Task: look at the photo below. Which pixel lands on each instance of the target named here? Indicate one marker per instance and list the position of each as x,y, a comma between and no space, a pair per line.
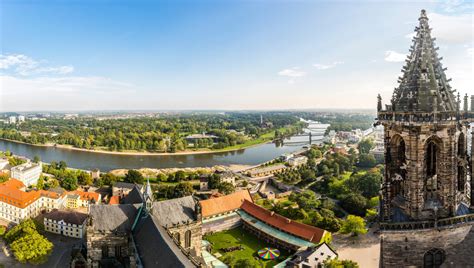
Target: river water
106,162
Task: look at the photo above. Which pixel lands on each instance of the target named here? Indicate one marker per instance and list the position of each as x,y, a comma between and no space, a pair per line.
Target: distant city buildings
28,173
297,161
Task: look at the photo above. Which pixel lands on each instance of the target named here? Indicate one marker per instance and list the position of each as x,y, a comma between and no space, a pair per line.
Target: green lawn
250,244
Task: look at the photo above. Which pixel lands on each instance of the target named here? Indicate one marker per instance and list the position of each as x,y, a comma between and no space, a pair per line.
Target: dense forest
162,133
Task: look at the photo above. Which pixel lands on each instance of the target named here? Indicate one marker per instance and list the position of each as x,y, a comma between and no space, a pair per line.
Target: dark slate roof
423,86
155,247
134,197
175,211
113,217
71,217
127,185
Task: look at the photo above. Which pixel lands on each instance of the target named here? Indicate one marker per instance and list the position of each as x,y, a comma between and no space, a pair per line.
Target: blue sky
94,55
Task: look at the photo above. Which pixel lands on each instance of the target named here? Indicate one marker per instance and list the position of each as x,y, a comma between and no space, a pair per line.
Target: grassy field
250,244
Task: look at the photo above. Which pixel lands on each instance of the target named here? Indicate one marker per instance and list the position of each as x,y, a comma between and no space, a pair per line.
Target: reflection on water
105,162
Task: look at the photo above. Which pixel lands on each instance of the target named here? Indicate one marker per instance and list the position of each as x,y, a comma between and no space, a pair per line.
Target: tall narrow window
461,146
461,181
431,159
187,239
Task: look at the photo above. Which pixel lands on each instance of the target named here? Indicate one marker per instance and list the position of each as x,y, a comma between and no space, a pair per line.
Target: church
427,202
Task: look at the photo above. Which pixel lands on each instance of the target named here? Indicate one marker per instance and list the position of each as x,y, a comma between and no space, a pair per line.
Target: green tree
353,224
336,263
36,159
40,184
134,176
4,177
367,161
226,188
69,183
32,247
365,146
109,179
84,178
354,203
183,189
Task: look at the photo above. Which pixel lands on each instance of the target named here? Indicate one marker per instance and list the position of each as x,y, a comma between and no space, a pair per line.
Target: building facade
28,173
426,202
67,223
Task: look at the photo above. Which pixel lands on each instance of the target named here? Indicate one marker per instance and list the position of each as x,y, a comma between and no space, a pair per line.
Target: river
106,162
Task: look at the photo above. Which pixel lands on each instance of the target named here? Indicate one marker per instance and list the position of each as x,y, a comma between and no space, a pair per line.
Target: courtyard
249,247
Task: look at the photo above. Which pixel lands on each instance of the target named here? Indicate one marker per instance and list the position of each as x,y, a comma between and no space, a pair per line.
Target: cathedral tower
426,185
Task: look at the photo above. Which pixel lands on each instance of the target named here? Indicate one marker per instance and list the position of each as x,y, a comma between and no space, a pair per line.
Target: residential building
122,189
12,120
16,204
77,199
21,118
228,177
266,171
298,161
203,184
28,173
311,257
67,223
220,213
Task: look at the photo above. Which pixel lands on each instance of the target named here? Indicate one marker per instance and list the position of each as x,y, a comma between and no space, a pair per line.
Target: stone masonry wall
407,248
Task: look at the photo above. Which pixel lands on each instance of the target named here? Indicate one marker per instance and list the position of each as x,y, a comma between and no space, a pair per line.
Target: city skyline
218,56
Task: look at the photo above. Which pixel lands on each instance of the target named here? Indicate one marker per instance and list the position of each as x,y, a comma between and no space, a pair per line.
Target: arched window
397,164
177,237
187,239
433,258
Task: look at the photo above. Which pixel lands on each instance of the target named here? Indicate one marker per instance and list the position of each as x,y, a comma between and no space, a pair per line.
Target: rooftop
67,216
175,211
304,231
108,218
224,203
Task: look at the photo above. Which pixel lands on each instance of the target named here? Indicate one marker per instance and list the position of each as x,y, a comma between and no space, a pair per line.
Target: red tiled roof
224,203
304,231
114,200
86,195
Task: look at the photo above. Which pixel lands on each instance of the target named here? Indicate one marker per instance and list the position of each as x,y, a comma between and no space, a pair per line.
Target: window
187,239
433,258
105,251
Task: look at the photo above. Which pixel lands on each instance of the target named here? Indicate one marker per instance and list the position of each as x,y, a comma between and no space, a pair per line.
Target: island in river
160,134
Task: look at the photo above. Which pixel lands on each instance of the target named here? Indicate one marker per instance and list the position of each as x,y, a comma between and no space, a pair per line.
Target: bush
355,204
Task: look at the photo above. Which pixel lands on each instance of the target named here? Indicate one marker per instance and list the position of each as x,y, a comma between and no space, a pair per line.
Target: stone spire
423,83
148,195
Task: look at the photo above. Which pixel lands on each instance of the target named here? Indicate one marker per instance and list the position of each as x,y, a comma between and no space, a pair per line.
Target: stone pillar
472,165
472,103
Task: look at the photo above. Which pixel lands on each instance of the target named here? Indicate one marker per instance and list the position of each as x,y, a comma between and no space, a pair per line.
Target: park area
244,247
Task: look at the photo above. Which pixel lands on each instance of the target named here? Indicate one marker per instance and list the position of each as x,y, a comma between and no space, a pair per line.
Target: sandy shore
70,147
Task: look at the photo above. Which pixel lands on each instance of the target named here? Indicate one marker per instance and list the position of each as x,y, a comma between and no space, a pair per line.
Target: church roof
134,197
155,246
175,211
423,86
113,218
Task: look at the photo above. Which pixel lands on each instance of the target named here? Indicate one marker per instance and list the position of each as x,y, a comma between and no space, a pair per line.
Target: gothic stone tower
426,190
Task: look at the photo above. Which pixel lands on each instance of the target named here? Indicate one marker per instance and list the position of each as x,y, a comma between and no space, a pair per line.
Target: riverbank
134,153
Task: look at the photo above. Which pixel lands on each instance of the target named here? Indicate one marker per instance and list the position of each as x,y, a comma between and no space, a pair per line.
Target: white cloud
320,66
393,56
19,64
456,6
470,51
452,29
292,72
410,35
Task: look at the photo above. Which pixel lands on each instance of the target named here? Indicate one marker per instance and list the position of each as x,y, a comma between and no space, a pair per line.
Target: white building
228,177
12,120
21,118
298,161
17,205
67,223
28,173
312,257
3,164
